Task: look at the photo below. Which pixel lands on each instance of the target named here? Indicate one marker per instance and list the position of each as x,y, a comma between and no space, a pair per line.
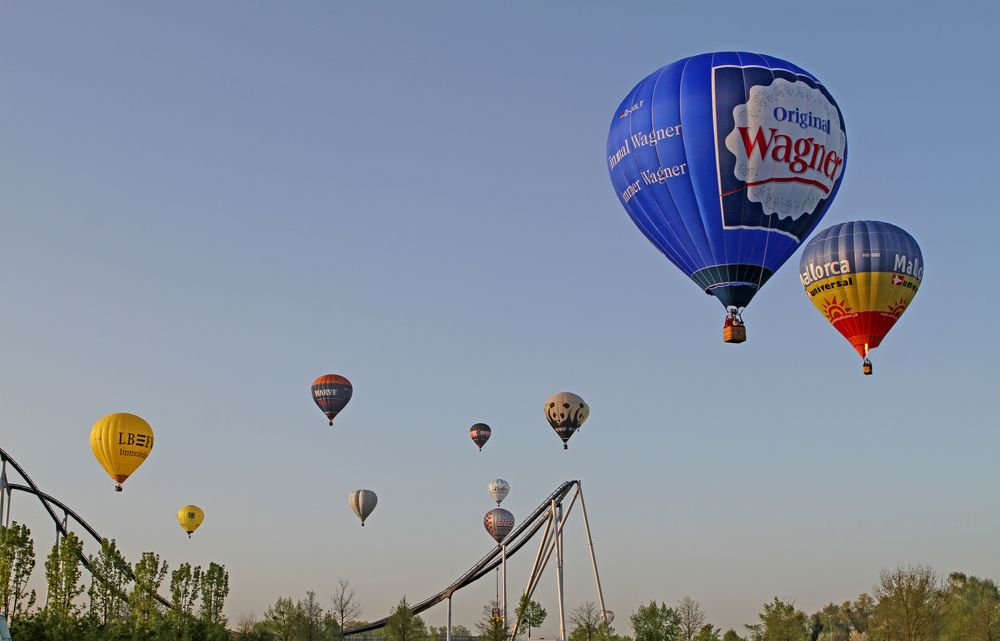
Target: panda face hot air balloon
862,276
498,522
332,393
726,162
566,412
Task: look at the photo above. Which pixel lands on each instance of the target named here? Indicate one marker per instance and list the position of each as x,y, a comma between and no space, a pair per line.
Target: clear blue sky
204,207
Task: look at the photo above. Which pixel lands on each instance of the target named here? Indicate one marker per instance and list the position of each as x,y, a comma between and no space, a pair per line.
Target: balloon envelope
498,522
726,161
862,276
498,489
121,443
566,412
190,517
332,393
362,502
480,433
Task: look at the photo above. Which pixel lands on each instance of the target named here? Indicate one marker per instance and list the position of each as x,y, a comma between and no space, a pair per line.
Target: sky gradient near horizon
205,206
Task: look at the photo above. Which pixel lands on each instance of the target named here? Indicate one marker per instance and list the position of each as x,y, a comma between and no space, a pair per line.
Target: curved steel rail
48,502
518,537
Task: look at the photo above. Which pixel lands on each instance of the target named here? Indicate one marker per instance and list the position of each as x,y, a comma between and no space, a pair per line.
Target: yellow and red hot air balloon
190,517
862,276
121,442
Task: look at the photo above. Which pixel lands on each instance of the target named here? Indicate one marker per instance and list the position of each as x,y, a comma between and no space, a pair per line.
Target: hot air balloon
121,442
480,433
332,393
726,162
498,489
498,522
190,517
566,412
363,503
862,276
608,616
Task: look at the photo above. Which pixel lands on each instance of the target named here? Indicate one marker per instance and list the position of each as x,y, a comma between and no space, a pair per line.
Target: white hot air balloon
363,503
498,489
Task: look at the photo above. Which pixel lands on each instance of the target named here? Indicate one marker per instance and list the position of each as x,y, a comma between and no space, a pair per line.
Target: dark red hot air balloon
480,433
332,393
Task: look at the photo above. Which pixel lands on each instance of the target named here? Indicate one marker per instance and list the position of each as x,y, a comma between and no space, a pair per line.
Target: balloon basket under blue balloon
734,330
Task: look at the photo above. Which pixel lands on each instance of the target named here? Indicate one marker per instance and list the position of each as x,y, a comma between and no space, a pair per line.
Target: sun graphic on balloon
898,309
835,308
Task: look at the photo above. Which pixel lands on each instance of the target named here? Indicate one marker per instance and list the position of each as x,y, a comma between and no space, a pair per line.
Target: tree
17,562
491,626
282,619
108,583
62,575
656,623
586,621
707,632
692,617
971,609
731,635
345,604
312,618
780,621
214,590
909,604
144,610
403,625
530,613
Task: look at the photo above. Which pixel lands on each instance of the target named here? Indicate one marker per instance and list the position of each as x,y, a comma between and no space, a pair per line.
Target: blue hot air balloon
726,162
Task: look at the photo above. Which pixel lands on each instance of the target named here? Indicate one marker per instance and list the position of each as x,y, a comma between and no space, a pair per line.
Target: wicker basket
734,333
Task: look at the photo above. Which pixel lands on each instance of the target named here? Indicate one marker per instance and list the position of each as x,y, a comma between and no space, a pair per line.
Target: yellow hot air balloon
121,442
190,517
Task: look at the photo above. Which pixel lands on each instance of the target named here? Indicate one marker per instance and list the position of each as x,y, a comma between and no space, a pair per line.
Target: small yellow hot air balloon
121,442
190,517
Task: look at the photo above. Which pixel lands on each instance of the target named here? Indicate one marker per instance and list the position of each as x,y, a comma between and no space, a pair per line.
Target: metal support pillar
552,541
4,495
590,545
503,563
559,574
448,636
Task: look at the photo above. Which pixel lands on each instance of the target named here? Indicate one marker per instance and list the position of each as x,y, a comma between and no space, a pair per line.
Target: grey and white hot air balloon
498,522
608,616
498,489
566,412
363,503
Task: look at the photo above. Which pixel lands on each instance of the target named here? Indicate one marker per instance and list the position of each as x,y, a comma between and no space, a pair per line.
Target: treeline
119,603
907,604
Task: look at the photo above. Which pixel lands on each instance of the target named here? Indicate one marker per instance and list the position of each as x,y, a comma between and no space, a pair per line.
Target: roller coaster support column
559,573
4,495
448,636
503,563
593,558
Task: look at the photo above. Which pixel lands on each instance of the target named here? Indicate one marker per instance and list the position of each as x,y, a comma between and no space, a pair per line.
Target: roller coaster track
51,504
549,514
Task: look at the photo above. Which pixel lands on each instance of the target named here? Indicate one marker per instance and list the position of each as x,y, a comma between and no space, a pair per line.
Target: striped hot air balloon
332,393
